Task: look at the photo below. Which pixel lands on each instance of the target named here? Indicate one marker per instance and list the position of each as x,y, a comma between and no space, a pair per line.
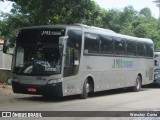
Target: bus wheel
85,92
138,84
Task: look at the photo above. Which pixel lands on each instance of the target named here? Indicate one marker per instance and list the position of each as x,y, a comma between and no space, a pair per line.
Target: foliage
146,12
41,12
10,25
58,11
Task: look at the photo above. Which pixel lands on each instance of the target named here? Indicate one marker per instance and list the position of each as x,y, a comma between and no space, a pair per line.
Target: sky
137,5
108,4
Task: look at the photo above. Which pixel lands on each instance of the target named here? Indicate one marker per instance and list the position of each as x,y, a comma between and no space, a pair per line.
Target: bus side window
141,49
72,57
73,52
92,44
107,45
149,50
119,46
69,57
71,65
131,47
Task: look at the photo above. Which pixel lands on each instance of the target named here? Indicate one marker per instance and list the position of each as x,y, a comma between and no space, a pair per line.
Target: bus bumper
47,90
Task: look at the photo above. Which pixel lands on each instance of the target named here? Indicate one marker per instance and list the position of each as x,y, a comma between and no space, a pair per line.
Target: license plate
32,89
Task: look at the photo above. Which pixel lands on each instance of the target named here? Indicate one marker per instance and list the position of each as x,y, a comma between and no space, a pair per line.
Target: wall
5,60
5,65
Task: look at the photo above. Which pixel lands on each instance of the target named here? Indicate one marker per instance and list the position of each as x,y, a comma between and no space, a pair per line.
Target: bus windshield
37,52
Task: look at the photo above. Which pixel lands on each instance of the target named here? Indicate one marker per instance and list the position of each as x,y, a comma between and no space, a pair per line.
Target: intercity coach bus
62,60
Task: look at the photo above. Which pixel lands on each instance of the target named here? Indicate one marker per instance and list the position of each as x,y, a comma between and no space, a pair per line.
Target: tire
138,84
85,89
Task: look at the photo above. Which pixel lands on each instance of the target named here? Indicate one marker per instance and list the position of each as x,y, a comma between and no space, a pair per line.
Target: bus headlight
52,81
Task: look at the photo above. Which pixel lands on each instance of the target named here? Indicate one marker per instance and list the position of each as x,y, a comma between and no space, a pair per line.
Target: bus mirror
62,43
8,47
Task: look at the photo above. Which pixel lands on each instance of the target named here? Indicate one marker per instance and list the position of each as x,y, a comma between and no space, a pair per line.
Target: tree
127,21
10,25
118,20
58,11
31,12
145,12
126,18
111,20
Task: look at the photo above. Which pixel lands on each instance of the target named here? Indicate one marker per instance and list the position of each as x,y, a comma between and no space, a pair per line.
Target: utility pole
158,5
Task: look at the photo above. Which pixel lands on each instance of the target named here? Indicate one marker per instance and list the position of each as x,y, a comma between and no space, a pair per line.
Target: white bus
156,60
62,60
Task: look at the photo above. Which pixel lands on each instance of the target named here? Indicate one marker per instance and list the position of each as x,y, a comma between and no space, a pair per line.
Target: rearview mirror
62,43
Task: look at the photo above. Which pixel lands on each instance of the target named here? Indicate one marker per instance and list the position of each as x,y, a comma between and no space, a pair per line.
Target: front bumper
48,90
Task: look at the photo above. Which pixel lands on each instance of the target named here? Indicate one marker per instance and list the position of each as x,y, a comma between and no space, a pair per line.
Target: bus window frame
115,38
131,54
137,53
112,53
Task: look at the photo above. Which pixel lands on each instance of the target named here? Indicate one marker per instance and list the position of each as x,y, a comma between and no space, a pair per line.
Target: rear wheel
86,89
138,84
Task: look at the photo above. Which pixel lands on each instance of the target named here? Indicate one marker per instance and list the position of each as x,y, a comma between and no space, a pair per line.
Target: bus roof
50,26
93,29
112,33
135,38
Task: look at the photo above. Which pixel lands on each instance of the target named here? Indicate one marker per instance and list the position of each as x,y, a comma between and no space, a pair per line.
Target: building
5,59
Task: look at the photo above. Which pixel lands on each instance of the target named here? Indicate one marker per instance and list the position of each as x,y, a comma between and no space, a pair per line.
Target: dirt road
113,100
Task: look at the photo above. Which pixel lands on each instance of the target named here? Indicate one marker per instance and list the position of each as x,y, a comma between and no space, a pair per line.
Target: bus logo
120,63
50,33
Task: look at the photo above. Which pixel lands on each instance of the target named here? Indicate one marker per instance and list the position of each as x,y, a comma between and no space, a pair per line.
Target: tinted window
35,36
119,46
37,52
131,47
107,45
75,39
73,51
69,58
149,50
140,49
91,44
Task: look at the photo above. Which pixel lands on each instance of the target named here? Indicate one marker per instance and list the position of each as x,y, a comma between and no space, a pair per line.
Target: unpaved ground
5,90
6,94
115,100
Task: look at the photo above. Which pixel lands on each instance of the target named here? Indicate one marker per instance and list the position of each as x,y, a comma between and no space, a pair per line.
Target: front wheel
85,90
138,84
